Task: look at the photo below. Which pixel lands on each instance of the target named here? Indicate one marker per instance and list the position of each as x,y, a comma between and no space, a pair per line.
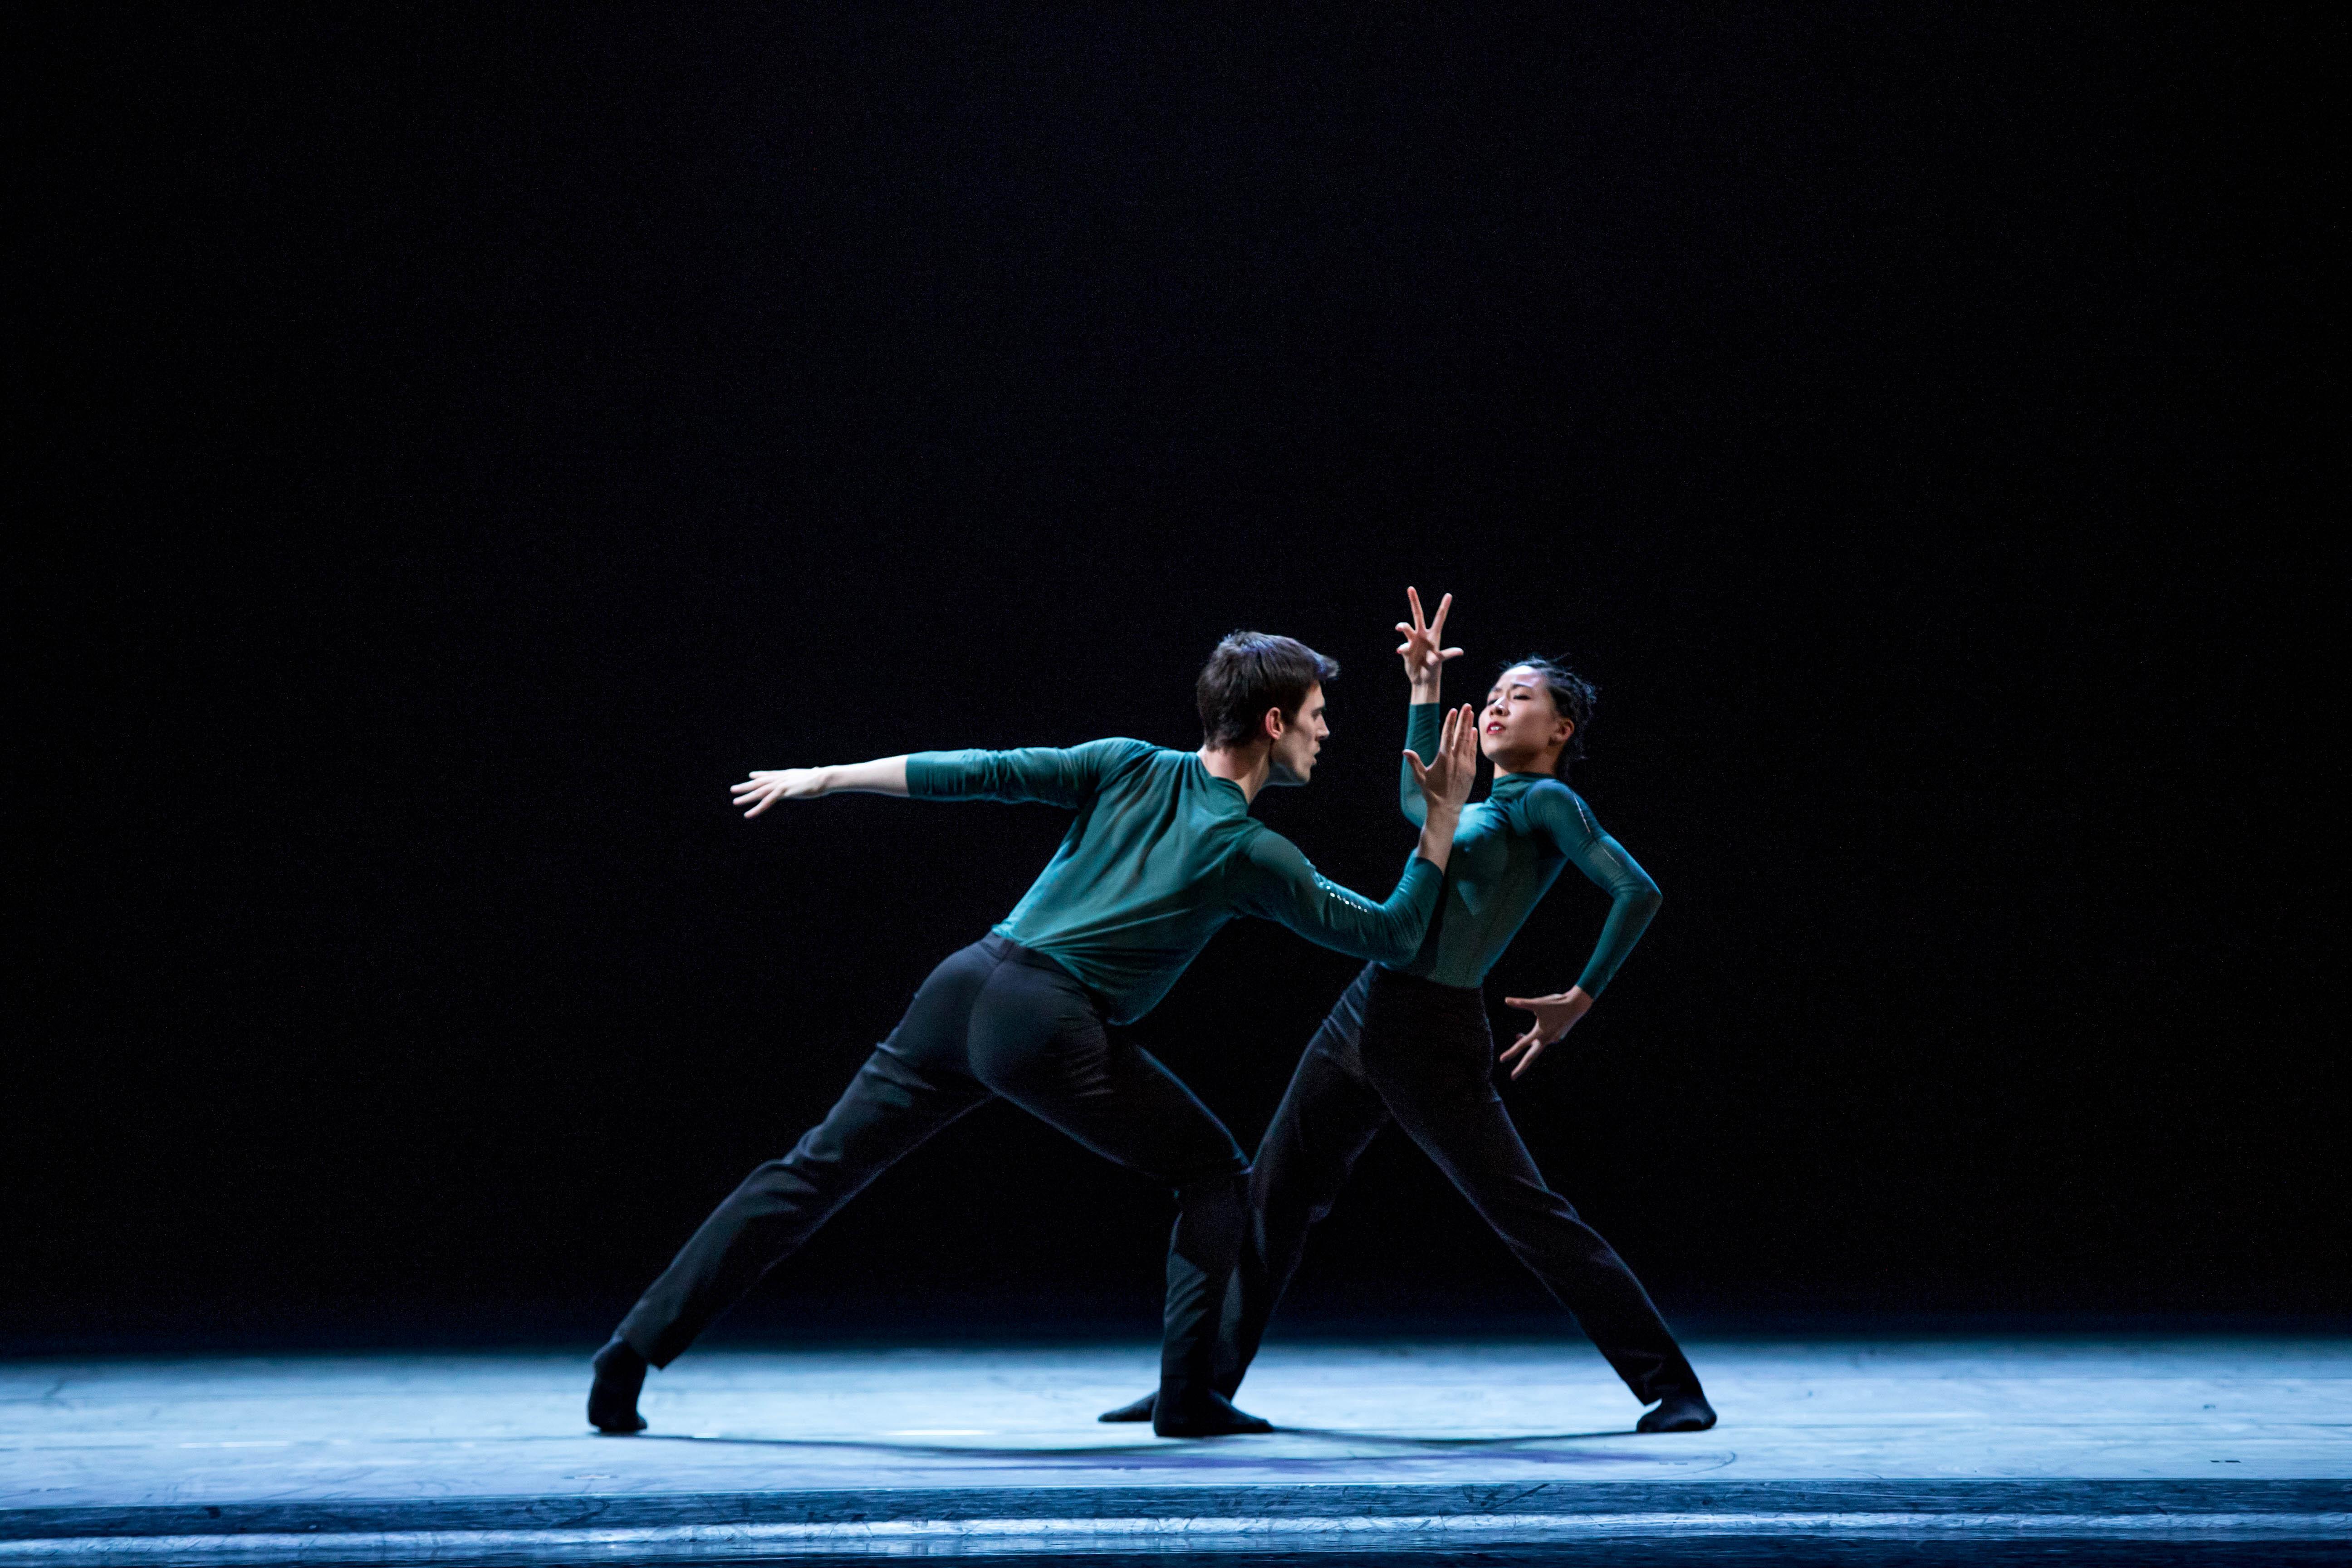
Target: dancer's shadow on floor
1218,1451
1344,1435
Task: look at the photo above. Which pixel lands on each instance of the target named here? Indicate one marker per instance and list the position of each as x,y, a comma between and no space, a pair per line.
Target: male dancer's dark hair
1249,673
1572,698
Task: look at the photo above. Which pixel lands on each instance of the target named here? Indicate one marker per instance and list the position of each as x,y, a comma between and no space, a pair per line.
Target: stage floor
2152,1447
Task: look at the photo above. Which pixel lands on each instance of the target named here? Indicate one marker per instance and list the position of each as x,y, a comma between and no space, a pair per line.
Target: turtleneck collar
1505,786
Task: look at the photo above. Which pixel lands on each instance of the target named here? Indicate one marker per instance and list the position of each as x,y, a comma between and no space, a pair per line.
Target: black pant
1401,1048
993,1019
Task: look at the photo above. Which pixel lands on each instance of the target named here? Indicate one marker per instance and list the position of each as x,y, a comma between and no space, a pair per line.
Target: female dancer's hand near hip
1555,1015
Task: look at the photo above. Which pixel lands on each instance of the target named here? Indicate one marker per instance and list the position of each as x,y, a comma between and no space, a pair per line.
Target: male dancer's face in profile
1294,751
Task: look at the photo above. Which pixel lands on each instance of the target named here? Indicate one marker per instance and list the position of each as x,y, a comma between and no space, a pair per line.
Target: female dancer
1411,1043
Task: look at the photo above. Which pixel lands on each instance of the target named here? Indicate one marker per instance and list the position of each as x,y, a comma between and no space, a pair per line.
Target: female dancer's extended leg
1394,1047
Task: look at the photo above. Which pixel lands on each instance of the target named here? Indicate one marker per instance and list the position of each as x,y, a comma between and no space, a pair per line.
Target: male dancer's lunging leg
1410,1043
1162,853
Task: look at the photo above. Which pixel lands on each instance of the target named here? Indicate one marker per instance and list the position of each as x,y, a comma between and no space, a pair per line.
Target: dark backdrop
458,448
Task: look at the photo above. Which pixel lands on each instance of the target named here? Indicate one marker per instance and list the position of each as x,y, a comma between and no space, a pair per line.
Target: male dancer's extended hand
1445,783
885,776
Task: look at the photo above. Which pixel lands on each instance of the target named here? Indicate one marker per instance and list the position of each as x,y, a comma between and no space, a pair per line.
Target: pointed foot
1682,1412
1139,1410
1203,1415
613,1397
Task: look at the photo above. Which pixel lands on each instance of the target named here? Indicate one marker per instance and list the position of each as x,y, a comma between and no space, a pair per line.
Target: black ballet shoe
1205,1415
1679,1412
1139,1411
613,1397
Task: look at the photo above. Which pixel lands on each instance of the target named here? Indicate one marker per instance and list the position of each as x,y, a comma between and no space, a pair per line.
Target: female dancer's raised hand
1425,658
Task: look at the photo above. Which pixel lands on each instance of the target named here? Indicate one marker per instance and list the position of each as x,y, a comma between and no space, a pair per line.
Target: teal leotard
1506,853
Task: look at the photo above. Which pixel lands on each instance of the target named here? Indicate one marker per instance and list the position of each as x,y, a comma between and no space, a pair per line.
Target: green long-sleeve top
1163,853
1506,853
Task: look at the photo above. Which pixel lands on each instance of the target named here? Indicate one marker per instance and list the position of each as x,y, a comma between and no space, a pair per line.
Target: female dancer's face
1520,731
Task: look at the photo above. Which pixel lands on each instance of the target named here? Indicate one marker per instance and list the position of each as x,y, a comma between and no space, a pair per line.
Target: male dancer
1163,853
1409,1042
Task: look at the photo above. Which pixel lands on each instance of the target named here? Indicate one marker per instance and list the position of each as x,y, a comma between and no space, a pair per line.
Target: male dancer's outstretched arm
887,775
1271,880
1437,789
